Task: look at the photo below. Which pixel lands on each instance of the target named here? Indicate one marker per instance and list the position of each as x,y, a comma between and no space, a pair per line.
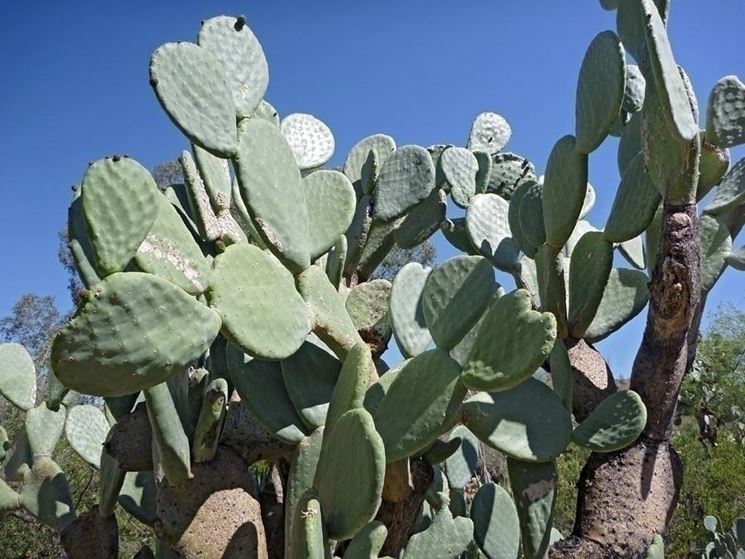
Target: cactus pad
591,263
725,116
169,437
509,171
246,70
368,542
86,429
496,529
299,481
262,312
46,495
527,422
331,202
17,376
367,305
422,221
624,297
715,245
310,140
406,178
512,343
614,424
490,132
120,206
215,173
534,489
460,467
445,538
406,310
381,144
525,217
731,192
193,88
146,328
351,386
488,229
460,168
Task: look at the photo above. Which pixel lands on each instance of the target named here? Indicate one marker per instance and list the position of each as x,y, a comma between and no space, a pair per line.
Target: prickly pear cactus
230,323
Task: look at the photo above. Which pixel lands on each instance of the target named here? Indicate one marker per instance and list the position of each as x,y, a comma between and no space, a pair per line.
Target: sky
74,88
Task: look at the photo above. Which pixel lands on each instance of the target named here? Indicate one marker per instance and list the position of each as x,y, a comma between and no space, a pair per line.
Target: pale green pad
262,312
194,89
490,132
563,190
731,192
460,467
120,206
656,550
351,386
134,331
589,201
512,343
137,496
211,418
716,244
9,499
550,266
86,429
633,251
46,495
527,422
271,187
17,376
381,144
310,140
483,176
445,538
422,221
460,168
111,479
668,80
44,428
310,376
263,393
331,202
363,468
375,393
421,404
633,97
215,173
624,297
406,309
496,528
168,434
300,480
488,227
736,259
170,251
246,70
600,90
630,143
591,263
79,243
614,424
508,172
455,295
335,261
637,198
725,115
368,542
454,231
525,216
406,178
562,376
534,490
367,305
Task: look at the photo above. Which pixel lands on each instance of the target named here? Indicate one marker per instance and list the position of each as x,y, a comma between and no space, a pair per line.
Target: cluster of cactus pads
724,545
239,303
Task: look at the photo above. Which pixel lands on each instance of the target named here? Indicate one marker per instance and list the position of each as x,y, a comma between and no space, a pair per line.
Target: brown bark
131,441
627,496
91,535
248,438
592,378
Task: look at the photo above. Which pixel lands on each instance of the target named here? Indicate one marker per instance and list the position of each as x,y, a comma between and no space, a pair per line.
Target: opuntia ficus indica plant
231,320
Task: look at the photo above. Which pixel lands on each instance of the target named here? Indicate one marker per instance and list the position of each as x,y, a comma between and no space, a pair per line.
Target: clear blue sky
74,89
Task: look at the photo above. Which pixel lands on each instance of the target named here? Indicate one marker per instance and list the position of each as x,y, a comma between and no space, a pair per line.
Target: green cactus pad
713,164
563,191
354,437
331,202
496,528
590,266
210,421
267,112
725,114
509,171
512,343
731,192
736,259
4,444
525,217
534,490
310,140
421,404
351,386
614,424
215,173
455,295
378,390
146,327
630,143
624,297
18,457
46,495
668,81
551,277
600,91
656,549
169,251
382,145
262,312
17,376
636,201
194,89
241,55
488,229
406,309
527,422
609,5
337,258
368,542
483,176
454,230
461,351
120,206
310,375
367,305
79,243
633,97
9,499
86,429
490,132
43,429
715,244
299,481
633,251
358,233
111,478
271,187
460,467
406,178
137,496
169,437
261,388
378,245
311,534
460,168
445,538
562,377
422,221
